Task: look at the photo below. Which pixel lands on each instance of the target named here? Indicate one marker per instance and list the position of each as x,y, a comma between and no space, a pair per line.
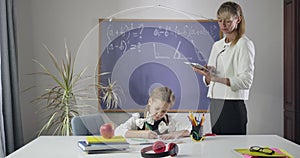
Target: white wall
51,21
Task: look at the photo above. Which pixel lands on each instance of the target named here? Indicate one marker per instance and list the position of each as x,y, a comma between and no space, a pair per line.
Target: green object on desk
248,152
101,139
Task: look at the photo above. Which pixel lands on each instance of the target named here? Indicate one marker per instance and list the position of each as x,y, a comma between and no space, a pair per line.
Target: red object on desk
209,134
159,147
107,130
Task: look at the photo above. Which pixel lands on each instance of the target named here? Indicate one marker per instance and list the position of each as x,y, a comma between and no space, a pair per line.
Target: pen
194,122
202,120
191,119
144,144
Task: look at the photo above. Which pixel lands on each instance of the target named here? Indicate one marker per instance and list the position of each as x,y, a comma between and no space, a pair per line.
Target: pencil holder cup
197,133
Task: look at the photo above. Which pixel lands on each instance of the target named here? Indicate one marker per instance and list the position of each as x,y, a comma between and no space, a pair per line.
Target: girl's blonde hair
232,9
163,94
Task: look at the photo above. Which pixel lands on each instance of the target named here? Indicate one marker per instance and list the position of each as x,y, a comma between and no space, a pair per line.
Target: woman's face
158,109
228,25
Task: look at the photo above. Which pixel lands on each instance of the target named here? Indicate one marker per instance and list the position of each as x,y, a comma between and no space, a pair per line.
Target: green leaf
58,102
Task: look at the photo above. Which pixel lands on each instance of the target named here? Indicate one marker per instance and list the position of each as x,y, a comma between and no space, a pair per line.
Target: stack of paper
96,144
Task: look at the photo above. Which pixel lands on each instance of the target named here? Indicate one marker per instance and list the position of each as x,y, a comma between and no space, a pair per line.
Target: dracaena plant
110,95
59,101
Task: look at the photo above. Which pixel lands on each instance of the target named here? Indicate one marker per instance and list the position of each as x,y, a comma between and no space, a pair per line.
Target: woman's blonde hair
232,9
163,94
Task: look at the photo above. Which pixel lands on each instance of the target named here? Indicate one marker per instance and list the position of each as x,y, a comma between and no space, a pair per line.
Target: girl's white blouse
135,121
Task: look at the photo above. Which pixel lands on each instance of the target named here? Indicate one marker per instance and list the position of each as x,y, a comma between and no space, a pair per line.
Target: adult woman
230,75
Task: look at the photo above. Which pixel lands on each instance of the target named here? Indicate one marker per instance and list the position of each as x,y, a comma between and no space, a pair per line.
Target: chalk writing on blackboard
143,53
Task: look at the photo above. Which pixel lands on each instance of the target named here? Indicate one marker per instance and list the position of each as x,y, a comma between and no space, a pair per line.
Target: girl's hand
168,136
175,135
149,134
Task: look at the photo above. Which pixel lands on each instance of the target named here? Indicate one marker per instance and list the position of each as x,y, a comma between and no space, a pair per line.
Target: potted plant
59,102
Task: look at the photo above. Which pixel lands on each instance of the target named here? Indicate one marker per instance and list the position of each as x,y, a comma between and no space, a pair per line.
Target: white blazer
235,63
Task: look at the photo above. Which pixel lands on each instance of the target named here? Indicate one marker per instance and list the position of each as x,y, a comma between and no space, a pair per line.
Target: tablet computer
196,65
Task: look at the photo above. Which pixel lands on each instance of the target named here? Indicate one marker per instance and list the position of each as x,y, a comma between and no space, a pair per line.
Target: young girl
156,123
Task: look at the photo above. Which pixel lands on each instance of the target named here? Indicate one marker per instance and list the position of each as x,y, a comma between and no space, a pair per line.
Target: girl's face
229,24
158,109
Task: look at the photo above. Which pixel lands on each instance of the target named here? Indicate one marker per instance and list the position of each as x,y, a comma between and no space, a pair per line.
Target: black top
154,127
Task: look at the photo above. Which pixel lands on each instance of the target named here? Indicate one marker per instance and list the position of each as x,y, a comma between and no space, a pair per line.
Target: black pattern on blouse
154,127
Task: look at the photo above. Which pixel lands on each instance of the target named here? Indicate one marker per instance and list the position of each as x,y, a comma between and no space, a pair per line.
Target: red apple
107,130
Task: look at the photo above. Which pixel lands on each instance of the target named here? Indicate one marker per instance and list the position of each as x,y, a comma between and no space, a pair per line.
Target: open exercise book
98,144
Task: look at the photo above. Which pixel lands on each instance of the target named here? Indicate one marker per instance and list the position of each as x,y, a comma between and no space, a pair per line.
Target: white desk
212,147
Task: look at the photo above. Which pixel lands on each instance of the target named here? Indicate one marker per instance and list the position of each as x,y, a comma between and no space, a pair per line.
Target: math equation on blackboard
152,52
